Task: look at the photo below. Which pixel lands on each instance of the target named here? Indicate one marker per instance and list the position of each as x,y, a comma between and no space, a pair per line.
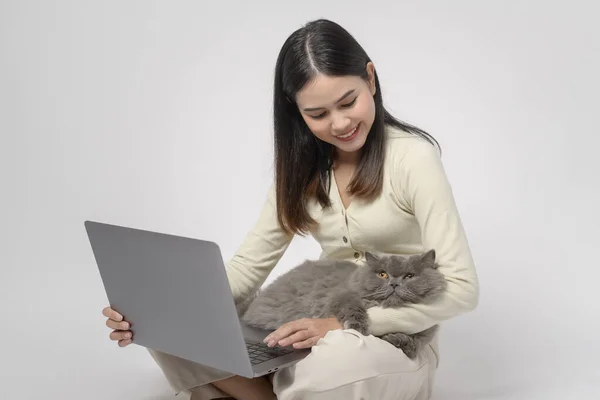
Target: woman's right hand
121,332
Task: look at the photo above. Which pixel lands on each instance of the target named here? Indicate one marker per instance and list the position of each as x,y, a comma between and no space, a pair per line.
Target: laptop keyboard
259,352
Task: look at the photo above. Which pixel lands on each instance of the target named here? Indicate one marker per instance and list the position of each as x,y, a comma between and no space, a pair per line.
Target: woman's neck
345,159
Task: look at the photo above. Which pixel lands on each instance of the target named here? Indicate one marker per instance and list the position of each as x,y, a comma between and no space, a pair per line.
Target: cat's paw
403,342
410,350
357,326
392,339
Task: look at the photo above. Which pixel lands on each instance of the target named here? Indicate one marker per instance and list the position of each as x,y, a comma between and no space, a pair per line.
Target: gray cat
345,290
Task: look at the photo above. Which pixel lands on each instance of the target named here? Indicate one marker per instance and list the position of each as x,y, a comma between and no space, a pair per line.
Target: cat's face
393,280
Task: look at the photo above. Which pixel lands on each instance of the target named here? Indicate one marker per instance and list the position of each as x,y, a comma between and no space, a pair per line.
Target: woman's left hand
302,333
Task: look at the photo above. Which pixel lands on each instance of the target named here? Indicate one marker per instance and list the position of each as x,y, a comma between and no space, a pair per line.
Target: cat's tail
242,305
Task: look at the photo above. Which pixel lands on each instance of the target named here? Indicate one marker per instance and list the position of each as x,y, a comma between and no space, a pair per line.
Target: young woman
356,179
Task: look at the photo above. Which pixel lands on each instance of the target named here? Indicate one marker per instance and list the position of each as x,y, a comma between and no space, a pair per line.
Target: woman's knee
350,354
350,346
346,344
345,358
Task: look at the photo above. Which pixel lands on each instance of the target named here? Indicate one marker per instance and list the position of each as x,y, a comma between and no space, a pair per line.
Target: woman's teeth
347,135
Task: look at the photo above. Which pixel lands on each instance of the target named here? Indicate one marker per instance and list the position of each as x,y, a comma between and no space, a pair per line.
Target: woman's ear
371,78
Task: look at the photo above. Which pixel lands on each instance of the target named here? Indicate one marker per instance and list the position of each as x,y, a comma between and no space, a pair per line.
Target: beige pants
343,365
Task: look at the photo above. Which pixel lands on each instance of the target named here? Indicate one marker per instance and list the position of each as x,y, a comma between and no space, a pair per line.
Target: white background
158,115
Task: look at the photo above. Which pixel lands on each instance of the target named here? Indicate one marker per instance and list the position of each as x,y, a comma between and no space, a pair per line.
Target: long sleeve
423,187
260,251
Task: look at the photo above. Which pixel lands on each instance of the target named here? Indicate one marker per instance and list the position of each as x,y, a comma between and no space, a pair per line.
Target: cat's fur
345,290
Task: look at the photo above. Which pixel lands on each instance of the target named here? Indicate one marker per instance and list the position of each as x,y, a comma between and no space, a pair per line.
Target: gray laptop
175,292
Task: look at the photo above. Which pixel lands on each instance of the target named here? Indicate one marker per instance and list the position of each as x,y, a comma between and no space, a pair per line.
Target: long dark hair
302,161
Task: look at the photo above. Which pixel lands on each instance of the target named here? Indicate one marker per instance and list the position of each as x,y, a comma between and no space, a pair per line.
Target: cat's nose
393,284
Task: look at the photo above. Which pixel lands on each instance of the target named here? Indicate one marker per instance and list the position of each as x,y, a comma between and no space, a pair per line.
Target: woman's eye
383,275
347,105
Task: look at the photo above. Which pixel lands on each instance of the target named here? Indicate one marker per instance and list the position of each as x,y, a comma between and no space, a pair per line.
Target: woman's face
339,110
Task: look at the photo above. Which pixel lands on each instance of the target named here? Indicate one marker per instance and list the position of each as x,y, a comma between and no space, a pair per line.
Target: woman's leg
247,389
345,365
199,382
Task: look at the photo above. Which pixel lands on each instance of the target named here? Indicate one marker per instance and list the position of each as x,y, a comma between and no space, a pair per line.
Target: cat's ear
371,258
428,259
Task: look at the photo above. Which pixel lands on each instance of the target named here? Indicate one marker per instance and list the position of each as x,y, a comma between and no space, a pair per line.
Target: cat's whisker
377,293
381,291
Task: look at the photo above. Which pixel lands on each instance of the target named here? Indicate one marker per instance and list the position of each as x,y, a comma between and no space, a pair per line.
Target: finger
296,337
122,326
120,335
112,314
123,343
286,330
306,344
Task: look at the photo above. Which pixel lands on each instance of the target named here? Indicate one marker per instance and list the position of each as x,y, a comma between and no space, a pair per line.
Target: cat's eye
408,276
383,275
